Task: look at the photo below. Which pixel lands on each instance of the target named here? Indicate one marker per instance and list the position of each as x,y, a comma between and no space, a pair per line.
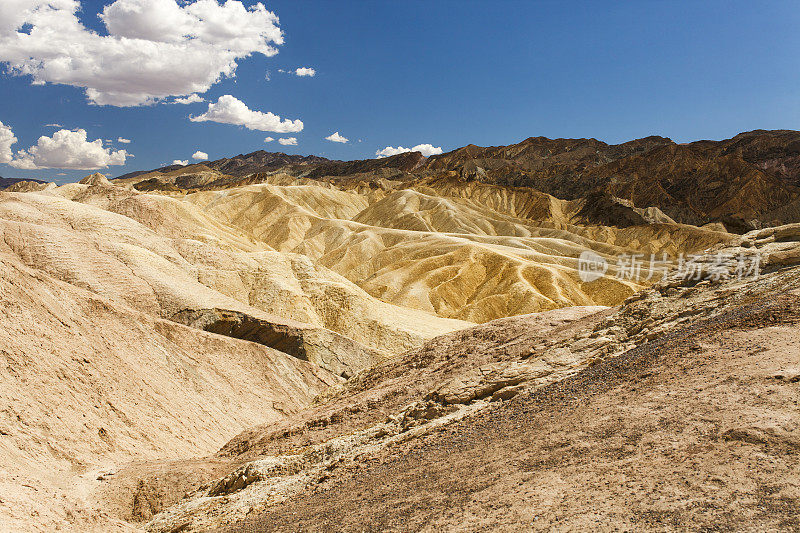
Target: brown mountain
554,166
261,161
749,180
137,173
396,164
8,182
239,165
693,184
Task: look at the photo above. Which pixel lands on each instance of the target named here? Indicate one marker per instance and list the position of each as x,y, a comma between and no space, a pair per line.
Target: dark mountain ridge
747,181
8,182
262,161
753,177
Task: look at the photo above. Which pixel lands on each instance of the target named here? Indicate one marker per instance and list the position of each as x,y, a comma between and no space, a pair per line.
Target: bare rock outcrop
337,353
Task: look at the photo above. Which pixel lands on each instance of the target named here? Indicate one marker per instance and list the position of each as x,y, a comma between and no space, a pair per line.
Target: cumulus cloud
269,139
288,141
191,99
200,156
183,163
123,141
154,49
230,110
390,150
299,71
68,149
425,149
336,138
7,138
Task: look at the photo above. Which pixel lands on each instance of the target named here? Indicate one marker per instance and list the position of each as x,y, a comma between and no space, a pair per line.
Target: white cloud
336,138
7,138
179,162
123,141
390,150
68,149
289,141
299,71
426,149
154,48
200,156
191,99
269,139
59,126
230,110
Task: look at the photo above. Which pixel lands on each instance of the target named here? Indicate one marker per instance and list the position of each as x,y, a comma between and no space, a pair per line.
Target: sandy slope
89,382
154,328
448,256
187,260
676,410
95,376
699,434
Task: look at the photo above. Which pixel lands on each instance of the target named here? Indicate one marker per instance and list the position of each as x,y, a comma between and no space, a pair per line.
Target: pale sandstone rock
784,257
95,180
789,375
122,259
486,380
90,382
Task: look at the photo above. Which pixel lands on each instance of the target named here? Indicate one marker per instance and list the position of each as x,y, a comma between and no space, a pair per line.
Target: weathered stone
488,379
790,375
784,257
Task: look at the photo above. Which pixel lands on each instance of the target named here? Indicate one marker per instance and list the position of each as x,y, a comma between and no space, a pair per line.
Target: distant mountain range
242,164
8,182
748,181
754,175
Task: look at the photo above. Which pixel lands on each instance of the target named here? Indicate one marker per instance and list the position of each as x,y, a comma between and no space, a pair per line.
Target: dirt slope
344,422
89,382
638,417
695,432
442,251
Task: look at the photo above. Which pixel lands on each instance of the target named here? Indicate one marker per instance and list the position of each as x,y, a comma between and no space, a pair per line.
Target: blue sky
454,73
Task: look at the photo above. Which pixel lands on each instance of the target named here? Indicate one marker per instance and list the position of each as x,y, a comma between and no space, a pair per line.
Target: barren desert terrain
264,343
